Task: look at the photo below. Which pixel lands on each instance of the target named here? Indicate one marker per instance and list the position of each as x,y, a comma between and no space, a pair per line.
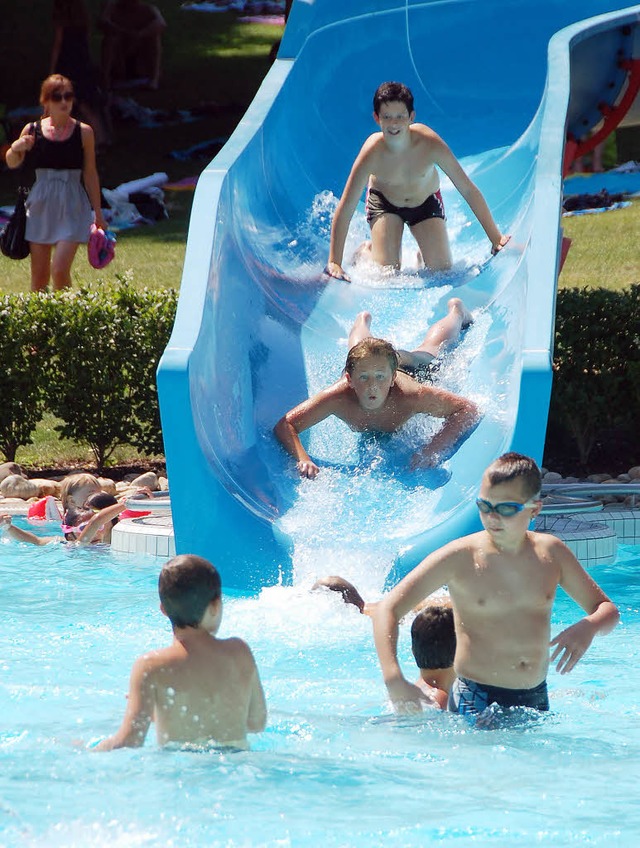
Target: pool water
334,767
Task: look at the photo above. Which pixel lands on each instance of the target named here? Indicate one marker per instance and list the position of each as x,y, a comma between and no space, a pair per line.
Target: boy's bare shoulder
549,545
238,652
460,550
234,644
425,133
467,544
372,146
157,659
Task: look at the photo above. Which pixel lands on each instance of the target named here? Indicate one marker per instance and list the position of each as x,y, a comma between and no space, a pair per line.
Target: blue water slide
259,327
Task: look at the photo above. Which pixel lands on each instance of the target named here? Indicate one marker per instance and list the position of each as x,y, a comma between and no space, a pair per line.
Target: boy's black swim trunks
377,205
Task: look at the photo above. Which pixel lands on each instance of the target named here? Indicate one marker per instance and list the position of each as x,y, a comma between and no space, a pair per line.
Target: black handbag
12,236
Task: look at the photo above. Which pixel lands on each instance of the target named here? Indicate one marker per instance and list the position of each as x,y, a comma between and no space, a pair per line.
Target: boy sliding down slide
502,583
381,390
399,166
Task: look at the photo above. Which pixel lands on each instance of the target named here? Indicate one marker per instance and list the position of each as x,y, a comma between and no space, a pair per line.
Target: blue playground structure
259,327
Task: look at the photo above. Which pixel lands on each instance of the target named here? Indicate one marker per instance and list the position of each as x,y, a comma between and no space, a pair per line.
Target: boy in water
433,644
399,166
201,689
433,638
381,390
502,582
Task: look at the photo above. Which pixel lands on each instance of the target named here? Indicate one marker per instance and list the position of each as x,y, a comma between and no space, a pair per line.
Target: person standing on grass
67,188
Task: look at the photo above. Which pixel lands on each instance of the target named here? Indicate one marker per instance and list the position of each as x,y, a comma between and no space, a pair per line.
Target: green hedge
595,403
89,357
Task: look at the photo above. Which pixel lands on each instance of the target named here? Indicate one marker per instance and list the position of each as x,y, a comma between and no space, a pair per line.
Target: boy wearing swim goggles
502,582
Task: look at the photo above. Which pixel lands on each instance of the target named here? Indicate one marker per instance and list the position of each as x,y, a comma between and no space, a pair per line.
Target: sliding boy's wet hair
433,637
187,585
515,466
392,92
371,347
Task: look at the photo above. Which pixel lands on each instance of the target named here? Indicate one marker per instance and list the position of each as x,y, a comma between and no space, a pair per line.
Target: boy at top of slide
399,166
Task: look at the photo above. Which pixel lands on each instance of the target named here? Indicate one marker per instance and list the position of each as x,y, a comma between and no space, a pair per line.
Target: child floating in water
381,390
399,166
200,690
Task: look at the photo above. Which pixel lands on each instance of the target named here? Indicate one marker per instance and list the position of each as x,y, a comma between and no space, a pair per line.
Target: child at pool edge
502,583
201,689
91,525
433,638
399,166
381,389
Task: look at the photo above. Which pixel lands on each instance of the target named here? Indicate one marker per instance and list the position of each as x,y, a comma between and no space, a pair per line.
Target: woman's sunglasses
507,509
59,96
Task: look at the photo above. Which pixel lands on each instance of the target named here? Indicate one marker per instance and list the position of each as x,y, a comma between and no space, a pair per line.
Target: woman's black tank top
61,155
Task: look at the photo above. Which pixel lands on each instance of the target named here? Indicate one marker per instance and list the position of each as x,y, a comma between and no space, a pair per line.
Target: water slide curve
258,327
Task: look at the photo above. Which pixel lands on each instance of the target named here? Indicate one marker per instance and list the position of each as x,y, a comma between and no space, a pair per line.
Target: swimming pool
333,767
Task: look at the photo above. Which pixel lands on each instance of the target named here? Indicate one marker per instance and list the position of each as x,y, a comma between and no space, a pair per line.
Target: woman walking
67,189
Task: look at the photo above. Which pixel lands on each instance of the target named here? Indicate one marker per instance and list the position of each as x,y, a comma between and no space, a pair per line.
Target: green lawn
604,249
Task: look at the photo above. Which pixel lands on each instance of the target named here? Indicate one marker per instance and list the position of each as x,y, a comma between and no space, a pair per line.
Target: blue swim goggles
507,509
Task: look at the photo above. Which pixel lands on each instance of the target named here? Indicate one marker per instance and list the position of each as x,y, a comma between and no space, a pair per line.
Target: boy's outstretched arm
139,712
602,614
97,521
21,535
461,416
445,159
353,189
425,578
299,419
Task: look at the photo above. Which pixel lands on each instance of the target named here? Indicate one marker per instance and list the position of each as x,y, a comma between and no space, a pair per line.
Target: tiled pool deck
592,537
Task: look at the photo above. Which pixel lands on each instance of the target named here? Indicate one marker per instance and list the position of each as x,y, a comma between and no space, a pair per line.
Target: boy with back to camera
398,164
382,388
200,690
502,583
433,645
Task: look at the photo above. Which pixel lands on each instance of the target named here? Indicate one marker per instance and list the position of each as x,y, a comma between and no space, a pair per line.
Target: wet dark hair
350,594
101,500
433,637
187,585
515,466
392,92
371,347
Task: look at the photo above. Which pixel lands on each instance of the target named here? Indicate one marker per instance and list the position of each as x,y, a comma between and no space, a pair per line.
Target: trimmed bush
107,344
25,344
89,357
596,389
